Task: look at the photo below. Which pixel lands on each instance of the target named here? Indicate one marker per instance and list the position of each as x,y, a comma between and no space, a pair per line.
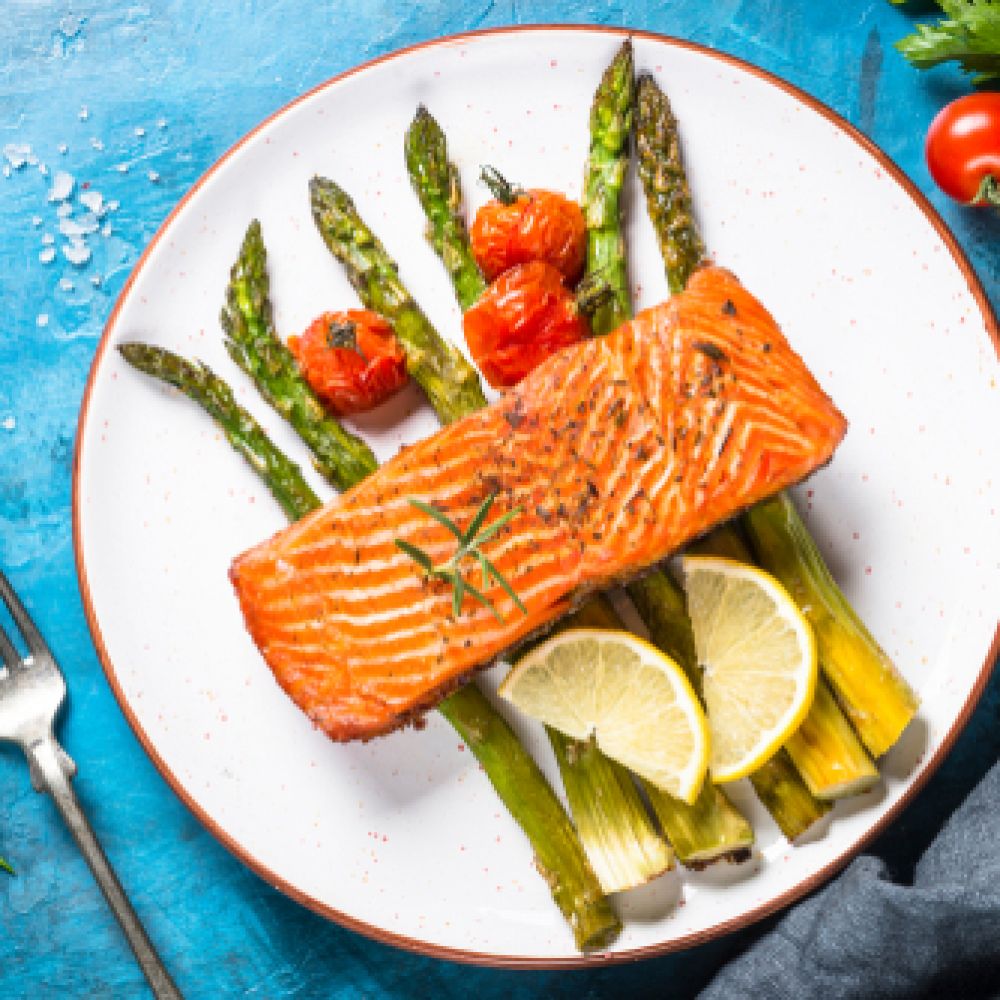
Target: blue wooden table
135,100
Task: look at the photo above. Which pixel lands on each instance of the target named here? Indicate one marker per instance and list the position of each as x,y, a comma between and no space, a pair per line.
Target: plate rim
402,941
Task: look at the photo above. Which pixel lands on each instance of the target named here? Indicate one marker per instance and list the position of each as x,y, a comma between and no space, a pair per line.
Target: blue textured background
144,96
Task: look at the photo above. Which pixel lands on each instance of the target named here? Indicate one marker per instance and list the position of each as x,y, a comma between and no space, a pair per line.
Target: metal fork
32,691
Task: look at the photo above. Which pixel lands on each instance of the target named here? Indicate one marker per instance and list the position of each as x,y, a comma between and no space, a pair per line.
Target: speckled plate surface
403,838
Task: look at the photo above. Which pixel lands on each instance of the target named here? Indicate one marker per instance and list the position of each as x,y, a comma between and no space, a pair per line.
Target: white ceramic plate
403,838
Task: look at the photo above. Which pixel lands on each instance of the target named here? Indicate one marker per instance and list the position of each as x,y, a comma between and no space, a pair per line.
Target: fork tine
33,638
8,652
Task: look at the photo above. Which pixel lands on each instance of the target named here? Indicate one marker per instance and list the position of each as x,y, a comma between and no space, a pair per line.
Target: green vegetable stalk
875,697
604,177
510,769
452,384
252,343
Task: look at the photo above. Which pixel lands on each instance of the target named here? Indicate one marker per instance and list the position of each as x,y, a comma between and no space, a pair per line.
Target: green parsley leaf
968,35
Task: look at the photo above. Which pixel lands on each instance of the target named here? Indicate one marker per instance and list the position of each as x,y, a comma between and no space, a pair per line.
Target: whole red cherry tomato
352,359
526,315
963,149
522,226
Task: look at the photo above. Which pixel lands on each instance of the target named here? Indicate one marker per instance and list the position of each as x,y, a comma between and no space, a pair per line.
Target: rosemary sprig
470,543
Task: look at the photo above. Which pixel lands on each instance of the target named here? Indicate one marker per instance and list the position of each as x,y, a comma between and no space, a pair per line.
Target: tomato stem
988,192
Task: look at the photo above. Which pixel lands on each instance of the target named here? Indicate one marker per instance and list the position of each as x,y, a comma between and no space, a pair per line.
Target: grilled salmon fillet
616,452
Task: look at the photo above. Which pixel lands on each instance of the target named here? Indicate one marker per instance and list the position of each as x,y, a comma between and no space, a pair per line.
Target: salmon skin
617,451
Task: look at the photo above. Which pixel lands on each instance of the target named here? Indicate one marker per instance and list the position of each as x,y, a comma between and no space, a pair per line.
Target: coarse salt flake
84,113
8,423
62,186
76,253
97,143
16,154
93,200
48,239
66,285
64,209
153,176
47,255
42,319
139,132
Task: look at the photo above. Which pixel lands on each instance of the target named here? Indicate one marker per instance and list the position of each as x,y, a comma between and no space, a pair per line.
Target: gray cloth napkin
865,936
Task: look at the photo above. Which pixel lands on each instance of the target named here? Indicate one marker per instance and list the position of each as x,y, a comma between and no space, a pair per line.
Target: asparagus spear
779,787
452,384
509,767
280,473
604,177
436,182
825,750
876,698
340,456
668,195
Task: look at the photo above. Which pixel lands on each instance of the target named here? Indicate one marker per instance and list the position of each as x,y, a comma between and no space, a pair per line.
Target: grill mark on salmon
618,451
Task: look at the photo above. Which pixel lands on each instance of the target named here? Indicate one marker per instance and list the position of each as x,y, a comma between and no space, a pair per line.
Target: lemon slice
758,657
635,701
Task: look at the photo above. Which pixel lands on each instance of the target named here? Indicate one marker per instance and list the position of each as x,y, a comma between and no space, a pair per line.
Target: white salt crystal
76,253
6,170
47,255
62,186
97,144
153,176
70,25
36,220
48,239
63,148
17,154
84,113
66,285
43,170
8,423
96,281
112,206
122,168
93,200
64,209
161,123
140,132
106,229
42,319
80,226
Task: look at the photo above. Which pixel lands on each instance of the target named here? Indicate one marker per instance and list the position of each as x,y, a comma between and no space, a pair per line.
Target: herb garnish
5,866
469,544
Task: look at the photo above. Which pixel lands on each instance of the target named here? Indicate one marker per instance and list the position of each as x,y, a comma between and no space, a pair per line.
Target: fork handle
46,757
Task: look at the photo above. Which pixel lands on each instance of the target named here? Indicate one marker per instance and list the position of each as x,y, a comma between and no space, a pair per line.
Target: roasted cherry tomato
963,149
522,226
523,317
352,359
